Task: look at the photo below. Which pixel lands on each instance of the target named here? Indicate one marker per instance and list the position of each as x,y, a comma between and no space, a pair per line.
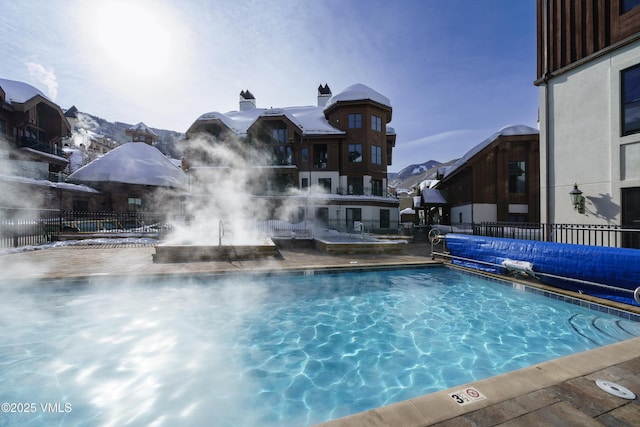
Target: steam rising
46,76
227,196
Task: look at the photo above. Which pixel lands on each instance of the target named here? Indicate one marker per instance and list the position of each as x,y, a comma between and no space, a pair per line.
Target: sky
455,71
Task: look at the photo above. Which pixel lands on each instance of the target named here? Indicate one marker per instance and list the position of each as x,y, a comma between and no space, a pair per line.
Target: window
355,121
284,155
320,156
627,5
355,153
354,186
322,216
279,135
376,154
518,217
325,183
304,156
385,218
135,204
376,187
353,215
630,87
3,127
518,177
631,217
376,123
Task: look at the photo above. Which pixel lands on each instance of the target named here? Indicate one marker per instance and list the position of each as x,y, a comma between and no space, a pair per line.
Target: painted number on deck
465,396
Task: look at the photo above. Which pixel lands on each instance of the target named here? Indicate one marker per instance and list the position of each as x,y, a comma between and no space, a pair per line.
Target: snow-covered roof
19,92
45,183
505,131
309,119
407,211
133,163
428,183
433,197
359,92
141,128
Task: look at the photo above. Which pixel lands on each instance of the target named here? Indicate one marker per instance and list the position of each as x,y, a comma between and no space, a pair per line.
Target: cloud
46,76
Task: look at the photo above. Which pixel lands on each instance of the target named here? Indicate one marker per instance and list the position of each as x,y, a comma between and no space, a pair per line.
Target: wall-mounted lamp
577,199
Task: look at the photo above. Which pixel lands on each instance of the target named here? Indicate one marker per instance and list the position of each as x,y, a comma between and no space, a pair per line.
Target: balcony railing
365,191
45,147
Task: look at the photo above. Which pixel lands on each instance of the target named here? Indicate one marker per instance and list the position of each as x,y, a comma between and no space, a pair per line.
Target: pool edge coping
439,406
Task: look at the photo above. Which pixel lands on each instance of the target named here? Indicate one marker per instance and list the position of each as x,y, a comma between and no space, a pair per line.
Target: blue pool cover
614,267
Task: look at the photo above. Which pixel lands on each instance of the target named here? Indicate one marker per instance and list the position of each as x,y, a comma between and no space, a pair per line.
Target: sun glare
136,39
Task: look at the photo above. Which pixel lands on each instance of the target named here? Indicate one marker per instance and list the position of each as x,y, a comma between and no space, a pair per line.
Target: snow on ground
82,242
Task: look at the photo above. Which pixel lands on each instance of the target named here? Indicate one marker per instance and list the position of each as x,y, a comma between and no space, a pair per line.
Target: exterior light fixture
577,199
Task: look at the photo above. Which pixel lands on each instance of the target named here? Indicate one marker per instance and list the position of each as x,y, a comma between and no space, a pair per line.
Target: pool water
270,351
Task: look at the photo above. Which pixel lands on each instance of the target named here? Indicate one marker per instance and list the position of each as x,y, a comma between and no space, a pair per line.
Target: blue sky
455,71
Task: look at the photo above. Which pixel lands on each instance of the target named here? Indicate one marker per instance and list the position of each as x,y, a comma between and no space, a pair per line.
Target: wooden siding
485,178
576,29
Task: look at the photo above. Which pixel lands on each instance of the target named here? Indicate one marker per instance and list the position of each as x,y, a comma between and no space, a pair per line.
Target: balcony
34,144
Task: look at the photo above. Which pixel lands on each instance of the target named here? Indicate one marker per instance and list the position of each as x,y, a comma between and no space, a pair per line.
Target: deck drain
616,389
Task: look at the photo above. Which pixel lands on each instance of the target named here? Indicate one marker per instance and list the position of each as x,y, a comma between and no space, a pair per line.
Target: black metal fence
582,234
22,227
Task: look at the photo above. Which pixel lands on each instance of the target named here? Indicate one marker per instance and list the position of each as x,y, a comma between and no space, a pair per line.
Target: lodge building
335,154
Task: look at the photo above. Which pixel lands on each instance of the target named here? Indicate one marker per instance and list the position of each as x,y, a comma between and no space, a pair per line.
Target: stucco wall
584,141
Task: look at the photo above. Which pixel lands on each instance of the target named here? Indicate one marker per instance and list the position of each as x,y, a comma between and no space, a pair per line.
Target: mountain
413,175
167,141
412,171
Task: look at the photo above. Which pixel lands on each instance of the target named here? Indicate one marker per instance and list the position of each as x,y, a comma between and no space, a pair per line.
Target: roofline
491,145
337,103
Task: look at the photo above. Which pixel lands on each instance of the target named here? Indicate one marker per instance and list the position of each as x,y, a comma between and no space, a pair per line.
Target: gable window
376,154
279,135
355,121
376,123
630,96
518,177
355,153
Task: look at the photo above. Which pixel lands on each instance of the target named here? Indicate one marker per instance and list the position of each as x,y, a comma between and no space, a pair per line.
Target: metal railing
22,227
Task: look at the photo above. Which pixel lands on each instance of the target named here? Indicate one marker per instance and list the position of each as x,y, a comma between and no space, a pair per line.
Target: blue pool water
270,351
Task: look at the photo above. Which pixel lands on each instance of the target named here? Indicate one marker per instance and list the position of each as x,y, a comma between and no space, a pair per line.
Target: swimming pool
271,350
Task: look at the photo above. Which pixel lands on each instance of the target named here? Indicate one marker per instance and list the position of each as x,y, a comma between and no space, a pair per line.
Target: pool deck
561,392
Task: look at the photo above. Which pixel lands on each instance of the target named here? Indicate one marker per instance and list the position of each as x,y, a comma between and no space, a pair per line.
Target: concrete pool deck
561,392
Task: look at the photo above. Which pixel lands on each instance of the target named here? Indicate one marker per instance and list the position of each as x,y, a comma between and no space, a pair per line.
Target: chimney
324,94
247,100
